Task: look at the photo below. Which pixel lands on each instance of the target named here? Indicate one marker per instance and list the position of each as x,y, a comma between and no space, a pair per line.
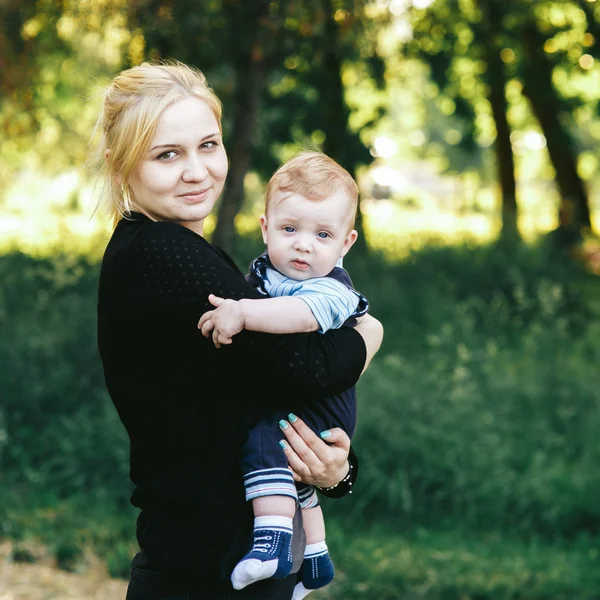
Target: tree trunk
496,78
574,212
336,113
250,75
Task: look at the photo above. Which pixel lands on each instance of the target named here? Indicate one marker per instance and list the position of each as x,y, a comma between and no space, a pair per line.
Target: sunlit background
431,168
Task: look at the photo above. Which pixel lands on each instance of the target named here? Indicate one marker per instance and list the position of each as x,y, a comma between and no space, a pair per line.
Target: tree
250,66
517,25
340,141
235,44
26,34
475,34
248,49
490,32
53,54
548,107
329,39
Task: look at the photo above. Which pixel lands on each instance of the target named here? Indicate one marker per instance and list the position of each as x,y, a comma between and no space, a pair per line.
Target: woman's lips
196,195
300,265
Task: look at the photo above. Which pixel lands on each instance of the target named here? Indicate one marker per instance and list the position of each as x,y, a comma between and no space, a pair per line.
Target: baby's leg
271,553
270,486
317,569
314,525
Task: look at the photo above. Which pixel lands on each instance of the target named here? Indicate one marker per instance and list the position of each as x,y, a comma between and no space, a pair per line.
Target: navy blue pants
264,464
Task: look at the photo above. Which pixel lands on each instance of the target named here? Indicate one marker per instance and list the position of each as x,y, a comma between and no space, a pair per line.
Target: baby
311,204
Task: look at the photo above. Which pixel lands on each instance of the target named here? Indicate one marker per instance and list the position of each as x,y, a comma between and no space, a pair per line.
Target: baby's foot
316,571
271,553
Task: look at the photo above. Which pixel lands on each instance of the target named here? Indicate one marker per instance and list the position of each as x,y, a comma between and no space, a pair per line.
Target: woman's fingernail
283,424
326,434
292,417
283,444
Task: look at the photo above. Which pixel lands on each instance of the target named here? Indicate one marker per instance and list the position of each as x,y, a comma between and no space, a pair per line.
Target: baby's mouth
302,265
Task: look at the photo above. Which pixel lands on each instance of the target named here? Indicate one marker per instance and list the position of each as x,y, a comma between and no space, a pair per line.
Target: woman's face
182,175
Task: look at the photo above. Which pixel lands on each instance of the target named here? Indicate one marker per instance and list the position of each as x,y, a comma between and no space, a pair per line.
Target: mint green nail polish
283,424
283,444
292,417
326,434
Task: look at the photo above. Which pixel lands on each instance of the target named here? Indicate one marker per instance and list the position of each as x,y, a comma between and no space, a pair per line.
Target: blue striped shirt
330,301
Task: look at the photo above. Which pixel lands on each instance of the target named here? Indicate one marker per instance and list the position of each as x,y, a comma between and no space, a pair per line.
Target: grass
70,530
458,565
374,560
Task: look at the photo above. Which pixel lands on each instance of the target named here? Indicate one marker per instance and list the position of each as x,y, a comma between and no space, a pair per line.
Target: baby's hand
224,322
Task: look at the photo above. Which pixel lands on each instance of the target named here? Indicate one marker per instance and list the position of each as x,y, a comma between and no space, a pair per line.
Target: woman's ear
349,242
263,228
117,177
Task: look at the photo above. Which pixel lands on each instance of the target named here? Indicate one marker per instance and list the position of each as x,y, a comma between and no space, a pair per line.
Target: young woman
186,405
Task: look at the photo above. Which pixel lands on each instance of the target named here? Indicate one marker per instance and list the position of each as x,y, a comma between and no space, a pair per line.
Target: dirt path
21,581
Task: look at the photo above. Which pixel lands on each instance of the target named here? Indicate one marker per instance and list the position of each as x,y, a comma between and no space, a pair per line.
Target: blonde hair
132,106
315,176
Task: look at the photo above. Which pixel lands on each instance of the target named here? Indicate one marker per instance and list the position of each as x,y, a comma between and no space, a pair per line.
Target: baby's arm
317,304
284,314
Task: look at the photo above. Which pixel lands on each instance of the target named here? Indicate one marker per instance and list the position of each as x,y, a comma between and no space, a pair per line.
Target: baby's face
305,238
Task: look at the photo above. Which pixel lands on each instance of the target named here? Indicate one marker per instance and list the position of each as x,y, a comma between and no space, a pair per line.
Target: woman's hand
311,459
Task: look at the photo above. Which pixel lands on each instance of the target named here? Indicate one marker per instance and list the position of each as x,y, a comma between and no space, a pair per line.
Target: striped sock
316,571
271,553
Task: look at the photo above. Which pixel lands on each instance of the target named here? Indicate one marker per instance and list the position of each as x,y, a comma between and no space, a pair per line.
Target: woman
186,405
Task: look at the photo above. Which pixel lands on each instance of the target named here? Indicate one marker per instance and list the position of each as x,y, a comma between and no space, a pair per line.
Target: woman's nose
195,169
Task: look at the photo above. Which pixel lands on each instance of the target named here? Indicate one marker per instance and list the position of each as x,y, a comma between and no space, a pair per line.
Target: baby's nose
303,243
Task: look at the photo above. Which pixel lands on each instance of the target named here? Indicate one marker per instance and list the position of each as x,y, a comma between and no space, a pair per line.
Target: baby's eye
289,229
166,155
323,234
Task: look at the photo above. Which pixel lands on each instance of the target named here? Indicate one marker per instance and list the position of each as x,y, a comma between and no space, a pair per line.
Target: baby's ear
263,228
349,241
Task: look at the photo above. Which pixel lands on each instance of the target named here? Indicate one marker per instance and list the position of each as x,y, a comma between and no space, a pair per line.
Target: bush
482,406
58,429
484,402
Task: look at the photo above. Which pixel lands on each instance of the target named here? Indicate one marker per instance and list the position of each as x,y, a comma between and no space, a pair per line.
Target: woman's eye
209,145
289,229
166,155
323,234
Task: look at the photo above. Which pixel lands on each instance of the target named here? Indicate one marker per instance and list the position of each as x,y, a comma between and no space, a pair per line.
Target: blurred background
473,129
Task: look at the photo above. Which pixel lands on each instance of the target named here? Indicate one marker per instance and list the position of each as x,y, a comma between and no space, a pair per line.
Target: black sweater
187,405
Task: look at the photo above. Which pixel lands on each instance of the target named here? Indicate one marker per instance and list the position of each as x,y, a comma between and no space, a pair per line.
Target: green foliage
294,43
53,54
21,553
484,405
478,416
58,429
68,554
71,531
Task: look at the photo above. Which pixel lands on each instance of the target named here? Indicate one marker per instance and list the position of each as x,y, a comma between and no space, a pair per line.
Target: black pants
146,585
